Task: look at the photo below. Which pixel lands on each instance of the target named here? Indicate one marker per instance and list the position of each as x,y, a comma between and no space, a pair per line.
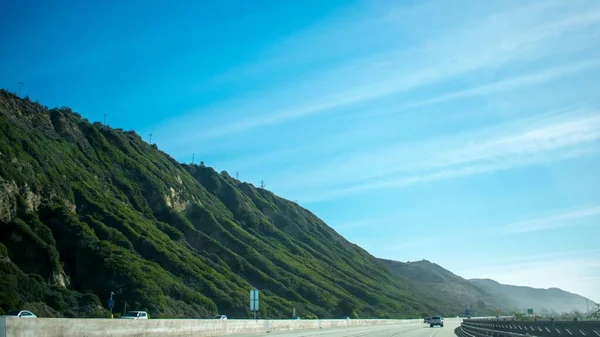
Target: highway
397,330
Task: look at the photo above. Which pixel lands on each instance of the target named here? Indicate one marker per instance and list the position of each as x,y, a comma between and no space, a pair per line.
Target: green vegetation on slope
86,209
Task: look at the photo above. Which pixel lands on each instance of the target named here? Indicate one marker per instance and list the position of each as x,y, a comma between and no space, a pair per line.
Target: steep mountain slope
86,209
451,288
540,300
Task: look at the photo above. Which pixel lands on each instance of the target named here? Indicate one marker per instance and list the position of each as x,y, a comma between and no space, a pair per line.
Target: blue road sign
111,304
466,312
254,300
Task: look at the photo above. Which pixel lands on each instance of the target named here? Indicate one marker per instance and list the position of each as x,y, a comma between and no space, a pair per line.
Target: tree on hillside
517,314
348,306
596,312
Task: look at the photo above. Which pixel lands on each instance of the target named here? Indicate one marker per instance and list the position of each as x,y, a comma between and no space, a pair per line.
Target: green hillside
452,289
86,209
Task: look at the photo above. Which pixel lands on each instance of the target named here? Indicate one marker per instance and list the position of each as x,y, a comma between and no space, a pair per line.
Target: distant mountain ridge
540,300
485,296
451,288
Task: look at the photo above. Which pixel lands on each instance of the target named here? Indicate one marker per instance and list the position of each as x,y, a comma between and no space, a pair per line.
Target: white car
221,317
20,314
135,315
436,320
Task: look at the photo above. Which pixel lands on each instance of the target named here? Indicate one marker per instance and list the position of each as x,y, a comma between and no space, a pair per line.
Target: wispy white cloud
516,36
365,88
529,142
500,86
561,219
403,244
338,141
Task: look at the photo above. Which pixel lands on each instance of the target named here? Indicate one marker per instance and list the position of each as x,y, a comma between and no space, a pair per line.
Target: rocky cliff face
9,191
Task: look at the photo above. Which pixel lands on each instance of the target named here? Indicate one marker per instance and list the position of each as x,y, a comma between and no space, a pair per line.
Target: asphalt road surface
397,330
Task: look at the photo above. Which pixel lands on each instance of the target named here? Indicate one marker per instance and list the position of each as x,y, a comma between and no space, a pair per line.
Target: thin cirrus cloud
465,50
538,140
500,86
568,218
338,141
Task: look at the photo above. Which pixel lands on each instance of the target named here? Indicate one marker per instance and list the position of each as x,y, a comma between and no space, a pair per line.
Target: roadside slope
86,209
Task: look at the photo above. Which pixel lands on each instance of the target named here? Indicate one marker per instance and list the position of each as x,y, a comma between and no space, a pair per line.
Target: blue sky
466,133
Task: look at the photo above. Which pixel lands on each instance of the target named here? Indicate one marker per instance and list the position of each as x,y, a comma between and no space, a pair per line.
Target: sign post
111,304
529,311
254,301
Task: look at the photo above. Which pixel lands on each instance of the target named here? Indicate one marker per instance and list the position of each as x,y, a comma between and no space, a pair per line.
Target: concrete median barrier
65,327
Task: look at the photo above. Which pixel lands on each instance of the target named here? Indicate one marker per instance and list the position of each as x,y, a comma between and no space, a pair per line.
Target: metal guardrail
469,331
466,331
511,328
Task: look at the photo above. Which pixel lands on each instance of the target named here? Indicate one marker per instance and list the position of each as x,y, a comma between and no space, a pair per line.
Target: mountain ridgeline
451,288
485,296
86,210
543,301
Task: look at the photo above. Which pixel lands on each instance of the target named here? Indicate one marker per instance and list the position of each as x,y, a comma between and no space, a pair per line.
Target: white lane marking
433,333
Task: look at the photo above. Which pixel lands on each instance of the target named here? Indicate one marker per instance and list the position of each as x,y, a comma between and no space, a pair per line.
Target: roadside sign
254,300
497,311
529,311
467,312
111,303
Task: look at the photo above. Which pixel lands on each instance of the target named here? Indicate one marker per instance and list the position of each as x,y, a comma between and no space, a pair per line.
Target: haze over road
395,330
